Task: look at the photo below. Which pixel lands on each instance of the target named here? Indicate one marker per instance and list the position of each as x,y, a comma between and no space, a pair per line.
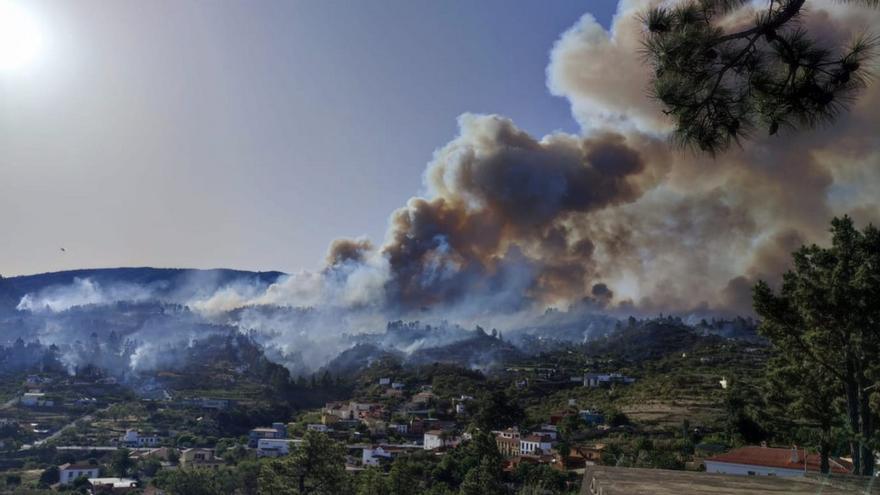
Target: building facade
70,472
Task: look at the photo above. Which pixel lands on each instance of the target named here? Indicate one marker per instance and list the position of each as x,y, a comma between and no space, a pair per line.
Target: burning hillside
512,227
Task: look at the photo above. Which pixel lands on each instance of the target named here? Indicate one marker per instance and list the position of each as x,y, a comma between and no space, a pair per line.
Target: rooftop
78,466
778,458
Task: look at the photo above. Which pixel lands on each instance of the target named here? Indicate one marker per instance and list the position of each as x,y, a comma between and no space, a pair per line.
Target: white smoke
349,284
613,218
82,292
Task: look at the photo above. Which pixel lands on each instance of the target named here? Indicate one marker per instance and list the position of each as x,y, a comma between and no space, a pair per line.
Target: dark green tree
484,479
121,464
719,83
372,482
248,476
803,391
196,481
826,321
80,485
316,467
539,478
173,456
404,477
149,467
49,476
12,480
497,410
454,467
571,425
743,404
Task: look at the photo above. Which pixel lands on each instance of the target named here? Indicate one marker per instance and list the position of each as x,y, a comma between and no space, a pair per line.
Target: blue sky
251,134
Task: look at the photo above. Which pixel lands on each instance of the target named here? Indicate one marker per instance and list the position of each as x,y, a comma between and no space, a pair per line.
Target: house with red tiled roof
770,461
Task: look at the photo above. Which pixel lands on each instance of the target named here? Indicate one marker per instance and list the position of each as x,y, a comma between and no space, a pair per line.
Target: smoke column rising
612,217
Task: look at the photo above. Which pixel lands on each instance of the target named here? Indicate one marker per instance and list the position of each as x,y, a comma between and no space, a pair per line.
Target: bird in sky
63,250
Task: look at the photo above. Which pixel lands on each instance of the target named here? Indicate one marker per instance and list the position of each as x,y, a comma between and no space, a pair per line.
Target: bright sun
21,37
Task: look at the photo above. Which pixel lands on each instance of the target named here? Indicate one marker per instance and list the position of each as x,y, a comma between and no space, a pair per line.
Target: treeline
317,467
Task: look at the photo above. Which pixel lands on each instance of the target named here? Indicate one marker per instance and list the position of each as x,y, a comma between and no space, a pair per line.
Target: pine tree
317,467
372,482
719,85
826,321
484,479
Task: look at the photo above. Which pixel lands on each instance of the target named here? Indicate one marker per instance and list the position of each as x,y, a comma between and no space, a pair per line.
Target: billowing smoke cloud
611,219
500,211
613,216
710,228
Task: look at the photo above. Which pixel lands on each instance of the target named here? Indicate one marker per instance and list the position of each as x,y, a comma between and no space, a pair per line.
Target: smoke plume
612,218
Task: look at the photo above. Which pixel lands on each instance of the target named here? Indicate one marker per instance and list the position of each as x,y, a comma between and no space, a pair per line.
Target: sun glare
21,37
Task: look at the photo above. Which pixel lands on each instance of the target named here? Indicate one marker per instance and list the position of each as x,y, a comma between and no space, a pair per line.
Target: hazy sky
250,134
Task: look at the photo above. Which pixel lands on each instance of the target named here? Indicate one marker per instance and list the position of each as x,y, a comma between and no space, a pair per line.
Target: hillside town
393,419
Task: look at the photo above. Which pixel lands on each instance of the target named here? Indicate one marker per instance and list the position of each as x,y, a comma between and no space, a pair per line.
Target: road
87,417
11,402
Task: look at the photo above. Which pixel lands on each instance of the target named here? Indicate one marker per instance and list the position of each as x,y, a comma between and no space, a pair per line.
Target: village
555,419
374,433
397,418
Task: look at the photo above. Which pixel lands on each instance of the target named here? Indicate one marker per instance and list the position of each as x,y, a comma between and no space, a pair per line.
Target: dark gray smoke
610,220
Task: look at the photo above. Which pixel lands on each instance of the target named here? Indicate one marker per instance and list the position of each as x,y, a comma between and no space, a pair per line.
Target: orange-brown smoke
612,217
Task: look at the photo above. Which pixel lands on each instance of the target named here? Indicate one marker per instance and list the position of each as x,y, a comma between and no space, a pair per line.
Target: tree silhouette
317,467
720,84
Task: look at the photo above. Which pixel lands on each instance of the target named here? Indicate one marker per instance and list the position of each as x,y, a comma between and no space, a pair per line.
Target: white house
535,444
594,380
372,456
401,428
397,385
134,439
278,430
769,461
317,427
69,472
275,447
384,381
435,439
